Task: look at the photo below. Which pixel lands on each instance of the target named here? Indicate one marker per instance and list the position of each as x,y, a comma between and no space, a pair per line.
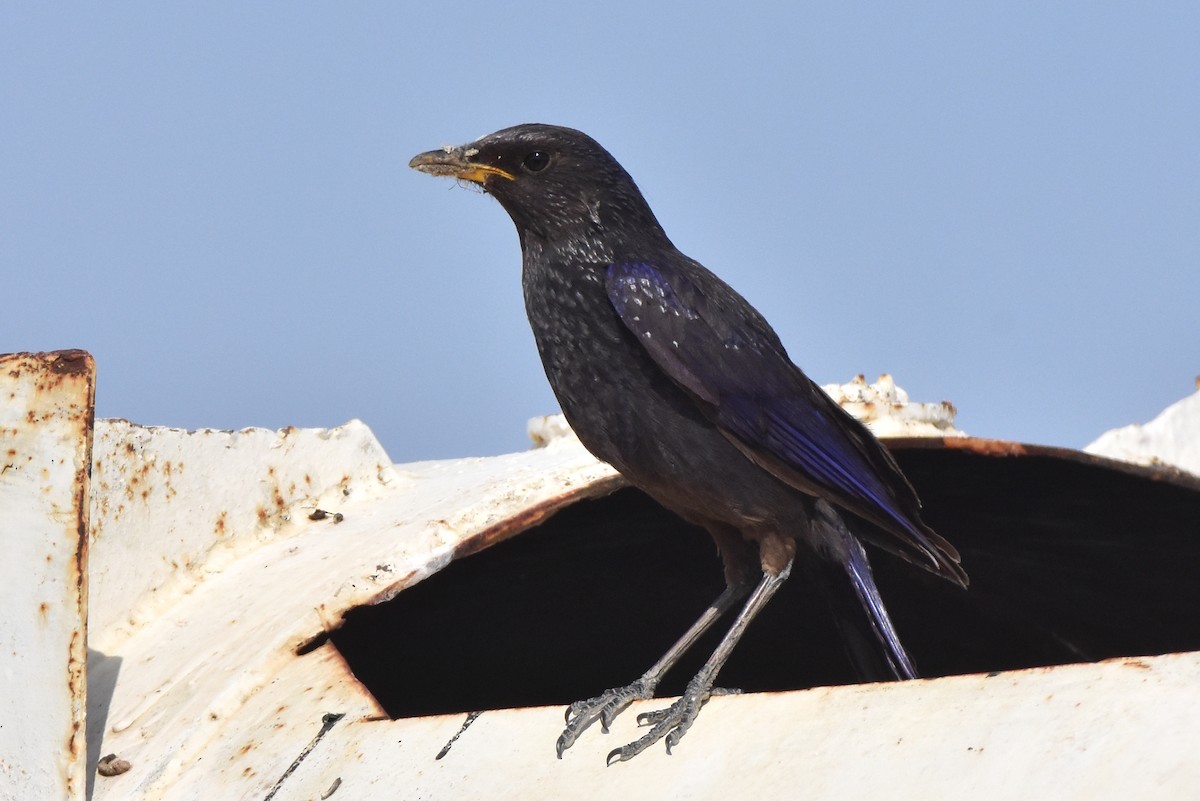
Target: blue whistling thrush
669,375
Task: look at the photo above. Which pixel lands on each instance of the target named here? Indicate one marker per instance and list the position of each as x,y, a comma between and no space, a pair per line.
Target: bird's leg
674,721
611,703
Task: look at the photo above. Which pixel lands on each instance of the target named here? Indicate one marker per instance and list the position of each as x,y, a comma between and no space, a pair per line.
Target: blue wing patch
718,348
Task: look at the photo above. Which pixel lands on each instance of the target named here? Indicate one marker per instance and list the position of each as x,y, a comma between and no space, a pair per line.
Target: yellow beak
454,162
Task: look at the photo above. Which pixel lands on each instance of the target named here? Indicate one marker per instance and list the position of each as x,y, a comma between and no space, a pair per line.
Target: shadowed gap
1069,562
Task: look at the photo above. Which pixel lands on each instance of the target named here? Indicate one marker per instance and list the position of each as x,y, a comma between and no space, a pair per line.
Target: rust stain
73,362
1005,449
987,447
1138,664
311,644
338,663
532,516
506,528
79,365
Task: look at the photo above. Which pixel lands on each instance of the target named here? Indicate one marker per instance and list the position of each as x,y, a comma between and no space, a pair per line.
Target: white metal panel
45,438
886,409
1171,438
211,700
1121,729
170,507
187,681
207,697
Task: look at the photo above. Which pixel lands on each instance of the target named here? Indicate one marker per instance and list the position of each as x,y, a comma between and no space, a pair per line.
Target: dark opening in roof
1070,560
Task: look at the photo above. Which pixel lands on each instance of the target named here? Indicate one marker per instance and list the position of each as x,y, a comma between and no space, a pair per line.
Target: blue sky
998,203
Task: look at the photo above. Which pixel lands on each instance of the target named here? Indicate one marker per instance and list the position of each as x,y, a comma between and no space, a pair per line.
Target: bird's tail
872,661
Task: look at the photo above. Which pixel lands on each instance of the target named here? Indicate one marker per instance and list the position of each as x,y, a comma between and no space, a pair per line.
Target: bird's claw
670,723
604,707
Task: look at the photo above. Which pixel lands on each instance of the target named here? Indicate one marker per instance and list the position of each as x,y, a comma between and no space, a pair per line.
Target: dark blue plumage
741,376
668,374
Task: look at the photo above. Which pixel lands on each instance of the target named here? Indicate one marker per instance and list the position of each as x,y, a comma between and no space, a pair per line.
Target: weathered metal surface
221,559
886,409
1171,439
1115,730
187,682
230,691
171,508
1155,470
46,409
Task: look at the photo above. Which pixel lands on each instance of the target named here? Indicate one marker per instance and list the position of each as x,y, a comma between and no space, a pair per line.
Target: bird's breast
624,408
628,412
583,344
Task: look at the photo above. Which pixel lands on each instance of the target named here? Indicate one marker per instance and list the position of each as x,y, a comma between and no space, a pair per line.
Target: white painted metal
1115,730
886,409
188,681
211,701
209,572
1172,438
45,437
171,507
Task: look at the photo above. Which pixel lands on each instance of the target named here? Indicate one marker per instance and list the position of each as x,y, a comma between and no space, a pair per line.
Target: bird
669,375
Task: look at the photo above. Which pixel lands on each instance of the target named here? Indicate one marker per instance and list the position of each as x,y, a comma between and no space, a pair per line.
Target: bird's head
556,183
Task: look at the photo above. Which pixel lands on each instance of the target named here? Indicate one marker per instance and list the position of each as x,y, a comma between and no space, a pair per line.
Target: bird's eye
536,161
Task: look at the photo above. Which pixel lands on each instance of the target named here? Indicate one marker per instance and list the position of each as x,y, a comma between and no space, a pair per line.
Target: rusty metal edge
77,365
498,532
534,515
80,363
1000,448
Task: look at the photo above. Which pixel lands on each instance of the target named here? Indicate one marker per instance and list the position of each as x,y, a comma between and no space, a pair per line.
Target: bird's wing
714,345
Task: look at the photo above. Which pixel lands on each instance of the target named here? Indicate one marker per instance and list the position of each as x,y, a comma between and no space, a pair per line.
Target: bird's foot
605,707
670,723
659,715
